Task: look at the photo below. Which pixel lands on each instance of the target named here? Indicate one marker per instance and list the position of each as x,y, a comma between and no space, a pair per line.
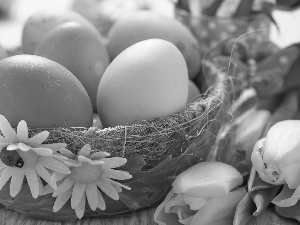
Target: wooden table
145,217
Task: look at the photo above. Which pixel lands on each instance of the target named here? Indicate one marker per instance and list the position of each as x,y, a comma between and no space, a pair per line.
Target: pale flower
205,194
33,159
90,175
276,158
250,130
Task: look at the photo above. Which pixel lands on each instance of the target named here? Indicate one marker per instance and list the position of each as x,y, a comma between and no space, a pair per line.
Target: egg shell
194,91
149,79
80,50
3,52
41,22
141,25
43,93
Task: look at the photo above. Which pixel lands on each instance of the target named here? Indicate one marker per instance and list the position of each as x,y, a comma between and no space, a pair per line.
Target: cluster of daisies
82,177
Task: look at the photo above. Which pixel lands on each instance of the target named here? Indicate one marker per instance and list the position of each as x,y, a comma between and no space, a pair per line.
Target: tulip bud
205,194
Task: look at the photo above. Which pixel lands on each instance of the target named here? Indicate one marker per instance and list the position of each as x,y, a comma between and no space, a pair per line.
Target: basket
156,151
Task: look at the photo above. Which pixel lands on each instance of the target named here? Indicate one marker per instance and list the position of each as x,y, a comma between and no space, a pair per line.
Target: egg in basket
56,164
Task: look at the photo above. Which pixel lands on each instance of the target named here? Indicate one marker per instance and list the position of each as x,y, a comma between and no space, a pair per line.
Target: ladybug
11,158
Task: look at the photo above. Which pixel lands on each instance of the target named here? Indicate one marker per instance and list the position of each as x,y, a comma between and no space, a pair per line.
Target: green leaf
244,211
40,208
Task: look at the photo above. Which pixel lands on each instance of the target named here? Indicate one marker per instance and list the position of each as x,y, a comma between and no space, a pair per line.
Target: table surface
145,217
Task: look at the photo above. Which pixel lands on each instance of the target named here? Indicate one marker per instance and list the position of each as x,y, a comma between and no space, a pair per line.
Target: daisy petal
59,156
57,176
7,131
54,146
118,174
63,187
85,150
3,145
118,185
43,173
53,164
61,200
97,162
33,183
43,151
114,162
24,147
41,186
101,202
99,155
80,208
82,159
22,131
92,195
77,195
3,140
2,165
46,190
12,147
73,163
16,181
108,189
5,176
67,152
38,139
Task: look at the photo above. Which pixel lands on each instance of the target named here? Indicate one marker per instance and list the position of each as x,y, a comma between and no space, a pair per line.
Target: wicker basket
156,151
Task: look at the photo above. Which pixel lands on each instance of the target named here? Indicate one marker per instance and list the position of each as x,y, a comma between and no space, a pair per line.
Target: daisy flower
90,175
32,158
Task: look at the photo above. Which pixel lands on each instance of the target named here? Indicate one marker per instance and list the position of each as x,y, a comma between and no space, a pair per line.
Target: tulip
206,193
276,158
251,129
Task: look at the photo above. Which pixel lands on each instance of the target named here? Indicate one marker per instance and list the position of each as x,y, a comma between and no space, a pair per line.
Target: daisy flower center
86,173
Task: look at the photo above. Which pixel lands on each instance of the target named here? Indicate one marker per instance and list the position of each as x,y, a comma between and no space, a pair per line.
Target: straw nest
155,139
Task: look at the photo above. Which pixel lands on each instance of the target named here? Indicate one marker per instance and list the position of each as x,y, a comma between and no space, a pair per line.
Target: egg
147,80
41,22
141,25
194,92
80,50
3,52
43,93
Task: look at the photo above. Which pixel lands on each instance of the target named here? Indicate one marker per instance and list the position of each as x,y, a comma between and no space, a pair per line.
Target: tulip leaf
289,212
244,211
39,208
263,197
261,193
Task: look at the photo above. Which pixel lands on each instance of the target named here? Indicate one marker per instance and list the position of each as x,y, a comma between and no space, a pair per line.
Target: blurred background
14,13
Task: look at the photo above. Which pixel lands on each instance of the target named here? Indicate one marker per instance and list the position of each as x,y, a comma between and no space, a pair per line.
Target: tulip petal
290,173
161,217
257,161
219,210
207,179
194,202
251,129
289,212
287,197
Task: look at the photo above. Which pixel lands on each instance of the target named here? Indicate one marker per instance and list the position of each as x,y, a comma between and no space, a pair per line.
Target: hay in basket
155,150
